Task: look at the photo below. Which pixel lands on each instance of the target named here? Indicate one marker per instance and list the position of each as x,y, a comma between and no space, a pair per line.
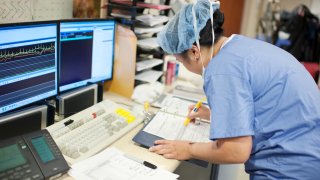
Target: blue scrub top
257,89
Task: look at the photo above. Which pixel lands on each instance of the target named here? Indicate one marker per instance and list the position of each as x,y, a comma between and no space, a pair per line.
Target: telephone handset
31,156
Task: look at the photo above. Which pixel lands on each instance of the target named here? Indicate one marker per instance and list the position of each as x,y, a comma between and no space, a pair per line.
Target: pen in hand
195,109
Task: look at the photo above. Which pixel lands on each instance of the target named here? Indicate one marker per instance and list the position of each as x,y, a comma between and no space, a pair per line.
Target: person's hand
202,113
172,149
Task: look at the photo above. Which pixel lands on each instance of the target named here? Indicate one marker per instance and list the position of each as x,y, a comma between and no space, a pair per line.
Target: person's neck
218,45
208,51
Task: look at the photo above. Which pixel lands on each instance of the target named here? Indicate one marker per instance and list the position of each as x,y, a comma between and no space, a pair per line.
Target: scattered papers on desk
152,20
148,43
145,29
150,76
149,63
112,164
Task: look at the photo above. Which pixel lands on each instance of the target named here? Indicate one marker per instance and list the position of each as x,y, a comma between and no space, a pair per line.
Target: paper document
149,63
148,43
142,4
169,126
142,29
121,15
191,93
150,76
152,20
112,164
176,106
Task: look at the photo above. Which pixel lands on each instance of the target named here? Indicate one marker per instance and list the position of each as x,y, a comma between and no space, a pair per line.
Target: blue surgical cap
178,34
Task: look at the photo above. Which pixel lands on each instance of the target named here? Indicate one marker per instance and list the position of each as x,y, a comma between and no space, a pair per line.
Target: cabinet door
233,11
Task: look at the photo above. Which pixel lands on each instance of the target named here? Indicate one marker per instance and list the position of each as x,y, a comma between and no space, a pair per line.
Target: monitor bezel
59,46
36,23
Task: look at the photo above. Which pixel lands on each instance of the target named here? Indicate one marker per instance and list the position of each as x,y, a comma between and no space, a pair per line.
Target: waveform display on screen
25,59
17,53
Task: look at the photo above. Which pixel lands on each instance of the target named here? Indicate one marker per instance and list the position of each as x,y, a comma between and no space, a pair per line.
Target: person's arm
222,151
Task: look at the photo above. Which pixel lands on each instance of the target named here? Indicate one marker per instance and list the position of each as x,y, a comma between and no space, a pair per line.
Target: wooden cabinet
233,10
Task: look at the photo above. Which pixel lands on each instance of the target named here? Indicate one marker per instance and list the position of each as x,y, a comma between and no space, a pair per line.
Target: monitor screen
86,52
28,64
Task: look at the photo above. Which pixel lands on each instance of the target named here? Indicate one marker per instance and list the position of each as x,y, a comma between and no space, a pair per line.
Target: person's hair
206,32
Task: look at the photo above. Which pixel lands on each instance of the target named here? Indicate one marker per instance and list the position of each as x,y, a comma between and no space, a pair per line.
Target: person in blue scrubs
264,106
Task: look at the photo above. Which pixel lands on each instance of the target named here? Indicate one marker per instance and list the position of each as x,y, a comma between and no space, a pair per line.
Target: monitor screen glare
28,64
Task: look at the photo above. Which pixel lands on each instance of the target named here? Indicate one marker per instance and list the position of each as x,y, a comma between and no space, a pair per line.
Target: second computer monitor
86,52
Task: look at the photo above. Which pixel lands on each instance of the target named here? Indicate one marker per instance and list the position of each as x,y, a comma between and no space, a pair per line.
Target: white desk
126,144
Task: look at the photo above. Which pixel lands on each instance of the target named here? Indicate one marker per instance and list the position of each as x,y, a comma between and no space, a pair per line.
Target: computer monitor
28,63
86,52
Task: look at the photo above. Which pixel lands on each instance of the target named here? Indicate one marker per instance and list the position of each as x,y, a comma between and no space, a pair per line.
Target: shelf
148,64
140,4
123,20
145,26
150,76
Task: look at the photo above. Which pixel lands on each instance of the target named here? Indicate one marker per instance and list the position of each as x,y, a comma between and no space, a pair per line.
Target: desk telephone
31,156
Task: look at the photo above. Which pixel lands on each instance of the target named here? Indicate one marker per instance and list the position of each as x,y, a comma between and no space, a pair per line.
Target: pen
146,106
195,109
145,163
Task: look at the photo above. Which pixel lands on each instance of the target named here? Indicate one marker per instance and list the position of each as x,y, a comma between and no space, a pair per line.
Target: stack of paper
149,63
142,29
113,164
142,4
148,43
152,20
121,15
150,76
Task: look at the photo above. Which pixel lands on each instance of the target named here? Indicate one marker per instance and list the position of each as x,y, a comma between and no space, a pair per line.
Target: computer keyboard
92,130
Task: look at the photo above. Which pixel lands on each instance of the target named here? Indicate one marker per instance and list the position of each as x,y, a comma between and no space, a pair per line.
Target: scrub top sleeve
232,108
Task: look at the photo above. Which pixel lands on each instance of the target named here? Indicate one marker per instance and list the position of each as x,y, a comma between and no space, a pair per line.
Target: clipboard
146,139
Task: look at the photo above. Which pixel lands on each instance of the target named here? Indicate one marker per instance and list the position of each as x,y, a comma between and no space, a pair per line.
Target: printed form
112,164
170,127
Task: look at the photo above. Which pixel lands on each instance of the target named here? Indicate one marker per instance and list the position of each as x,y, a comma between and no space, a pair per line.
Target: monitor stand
77,100
23,121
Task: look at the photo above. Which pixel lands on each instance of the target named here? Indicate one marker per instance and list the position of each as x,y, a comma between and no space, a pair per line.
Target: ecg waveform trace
27,59
27,51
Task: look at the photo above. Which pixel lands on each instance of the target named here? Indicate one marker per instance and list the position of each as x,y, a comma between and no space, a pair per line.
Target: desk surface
126,144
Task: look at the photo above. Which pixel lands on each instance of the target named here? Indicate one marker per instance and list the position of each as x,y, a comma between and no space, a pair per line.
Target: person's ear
195,51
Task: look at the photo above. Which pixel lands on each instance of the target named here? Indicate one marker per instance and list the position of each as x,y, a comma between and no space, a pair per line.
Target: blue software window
86,52
28,64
